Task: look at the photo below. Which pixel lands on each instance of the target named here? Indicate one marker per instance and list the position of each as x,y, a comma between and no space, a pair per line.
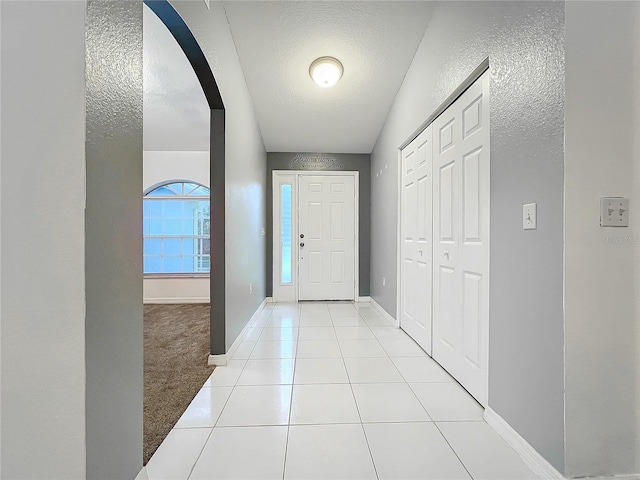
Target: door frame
289,292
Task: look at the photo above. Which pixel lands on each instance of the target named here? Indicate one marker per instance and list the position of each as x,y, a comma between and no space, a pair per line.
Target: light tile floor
332,391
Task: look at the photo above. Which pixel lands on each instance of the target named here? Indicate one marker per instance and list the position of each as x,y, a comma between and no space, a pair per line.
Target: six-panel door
416,240
461,239
326,239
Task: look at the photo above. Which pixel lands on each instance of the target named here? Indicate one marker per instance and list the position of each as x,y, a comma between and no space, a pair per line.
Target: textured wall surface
332,161
113,239
245,167
602,281
525,45
43,370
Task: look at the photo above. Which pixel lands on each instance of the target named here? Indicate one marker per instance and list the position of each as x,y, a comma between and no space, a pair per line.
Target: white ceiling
277,41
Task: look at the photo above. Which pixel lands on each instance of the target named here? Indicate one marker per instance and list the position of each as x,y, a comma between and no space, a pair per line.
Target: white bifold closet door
461,239
416,240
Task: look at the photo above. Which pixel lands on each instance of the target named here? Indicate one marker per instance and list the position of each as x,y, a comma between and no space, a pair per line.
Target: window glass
172,265
200,191
176,229
161,192
285,234
171,208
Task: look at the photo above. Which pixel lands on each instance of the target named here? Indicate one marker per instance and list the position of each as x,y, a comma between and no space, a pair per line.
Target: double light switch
614,212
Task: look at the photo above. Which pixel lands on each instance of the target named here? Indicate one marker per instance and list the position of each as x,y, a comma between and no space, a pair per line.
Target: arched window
176,228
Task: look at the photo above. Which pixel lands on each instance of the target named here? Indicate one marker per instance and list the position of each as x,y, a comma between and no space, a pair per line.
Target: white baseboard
384,313
363,299
222,359
142,475
269,300
217,360
174,300
635,476
531,457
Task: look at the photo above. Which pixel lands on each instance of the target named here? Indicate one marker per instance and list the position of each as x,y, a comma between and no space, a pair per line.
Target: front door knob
301,244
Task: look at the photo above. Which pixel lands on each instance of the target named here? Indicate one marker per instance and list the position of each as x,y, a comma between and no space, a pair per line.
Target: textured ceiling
277,41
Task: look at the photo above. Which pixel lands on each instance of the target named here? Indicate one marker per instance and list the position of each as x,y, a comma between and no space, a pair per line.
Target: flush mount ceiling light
326,71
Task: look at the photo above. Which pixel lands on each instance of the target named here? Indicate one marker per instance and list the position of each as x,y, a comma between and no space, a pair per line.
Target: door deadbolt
302,235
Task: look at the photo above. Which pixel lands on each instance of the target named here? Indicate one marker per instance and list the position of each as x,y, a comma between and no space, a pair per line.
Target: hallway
332,390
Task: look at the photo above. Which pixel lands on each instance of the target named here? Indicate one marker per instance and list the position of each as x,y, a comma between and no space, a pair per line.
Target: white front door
326,237
416,240
461,239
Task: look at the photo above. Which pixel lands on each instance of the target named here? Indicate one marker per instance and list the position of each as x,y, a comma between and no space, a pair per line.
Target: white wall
162,166
43,264
245,167
602,277
159,167
525,45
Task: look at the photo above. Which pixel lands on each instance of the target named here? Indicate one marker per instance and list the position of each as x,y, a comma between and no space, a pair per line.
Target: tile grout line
454,451
420,402
293,378
199,454
233,387
373,462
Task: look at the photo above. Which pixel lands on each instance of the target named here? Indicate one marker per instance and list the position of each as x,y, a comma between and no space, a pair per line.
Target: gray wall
113,239
525,44
602,268
326,161
245,171
42,277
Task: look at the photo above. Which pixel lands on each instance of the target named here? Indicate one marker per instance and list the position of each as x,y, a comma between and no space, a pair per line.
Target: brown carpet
176,349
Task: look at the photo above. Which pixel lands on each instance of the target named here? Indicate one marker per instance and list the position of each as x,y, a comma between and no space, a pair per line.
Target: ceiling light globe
326,71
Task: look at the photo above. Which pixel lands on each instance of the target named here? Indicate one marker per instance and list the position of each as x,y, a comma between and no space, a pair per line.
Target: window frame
182,197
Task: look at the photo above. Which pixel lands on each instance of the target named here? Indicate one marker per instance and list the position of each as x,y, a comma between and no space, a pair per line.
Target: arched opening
183,220
180,31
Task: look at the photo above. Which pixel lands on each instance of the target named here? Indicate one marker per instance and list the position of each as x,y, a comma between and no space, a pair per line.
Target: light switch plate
529,217
614,212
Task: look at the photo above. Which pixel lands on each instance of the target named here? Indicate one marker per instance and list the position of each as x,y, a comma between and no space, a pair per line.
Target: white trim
282,293
363,299
142,475
269,300
399,241
169,300
626,476
217,360
531,457
384,313
222,359
253,319
356,235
